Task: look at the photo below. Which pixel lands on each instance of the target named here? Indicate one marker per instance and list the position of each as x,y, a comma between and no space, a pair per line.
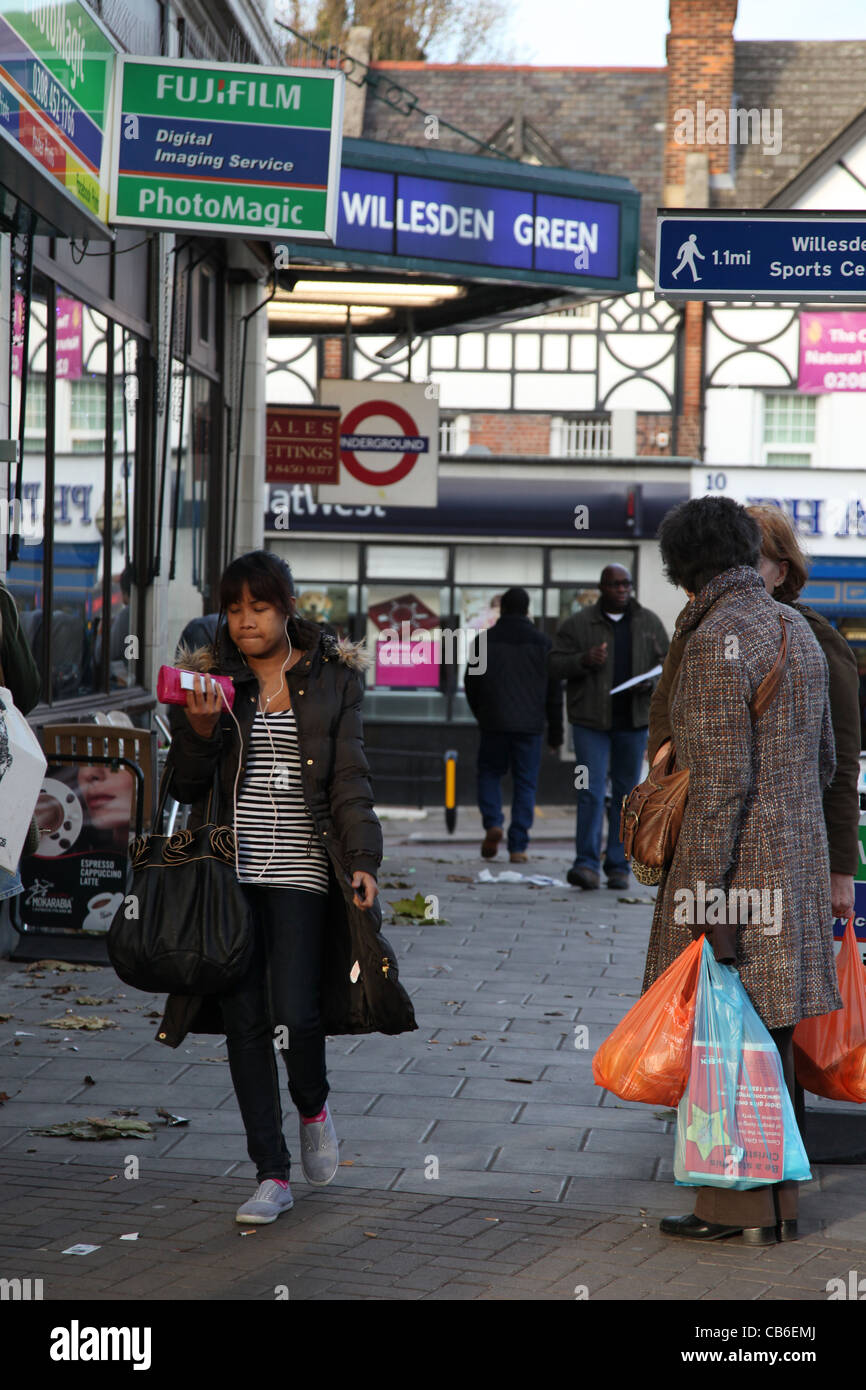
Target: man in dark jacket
597,650
511,697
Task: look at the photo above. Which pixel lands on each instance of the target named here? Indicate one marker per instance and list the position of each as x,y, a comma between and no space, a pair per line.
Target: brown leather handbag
652,813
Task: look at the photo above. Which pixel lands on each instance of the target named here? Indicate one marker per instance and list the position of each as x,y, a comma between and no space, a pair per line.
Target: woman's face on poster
107,795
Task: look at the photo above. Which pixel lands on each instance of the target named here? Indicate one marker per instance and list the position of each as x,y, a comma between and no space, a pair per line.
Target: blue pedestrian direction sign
754,255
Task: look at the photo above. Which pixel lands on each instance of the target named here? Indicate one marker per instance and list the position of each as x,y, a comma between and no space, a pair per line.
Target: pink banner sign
414,662
17,333
832,352
68,338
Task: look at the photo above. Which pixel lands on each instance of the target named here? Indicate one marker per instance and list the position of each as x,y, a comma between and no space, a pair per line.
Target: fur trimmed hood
355,655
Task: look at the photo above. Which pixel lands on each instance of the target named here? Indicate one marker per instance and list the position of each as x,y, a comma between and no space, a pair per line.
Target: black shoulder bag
185,927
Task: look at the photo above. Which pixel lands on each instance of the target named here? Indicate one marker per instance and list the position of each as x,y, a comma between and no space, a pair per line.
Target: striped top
284,852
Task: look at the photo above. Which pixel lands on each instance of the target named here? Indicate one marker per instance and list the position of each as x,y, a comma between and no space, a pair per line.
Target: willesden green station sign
249,150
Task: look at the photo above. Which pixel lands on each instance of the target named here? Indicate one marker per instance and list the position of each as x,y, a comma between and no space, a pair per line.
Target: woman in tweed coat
753,819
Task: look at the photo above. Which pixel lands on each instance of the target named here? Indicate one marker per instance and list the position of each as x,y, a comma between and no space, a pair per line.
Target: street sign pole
813,257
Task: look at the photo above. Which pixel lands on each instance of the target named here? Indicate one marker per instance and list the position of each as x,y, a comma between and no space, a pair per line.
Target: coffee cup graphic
100,911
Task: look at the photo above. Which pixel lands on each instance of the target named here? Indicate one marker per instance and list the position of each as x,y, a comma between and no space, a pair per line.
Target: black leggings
280,991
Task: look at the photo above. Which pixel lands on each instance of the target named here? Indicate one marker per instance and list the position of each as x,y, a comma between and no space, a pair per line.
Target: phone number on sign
845,381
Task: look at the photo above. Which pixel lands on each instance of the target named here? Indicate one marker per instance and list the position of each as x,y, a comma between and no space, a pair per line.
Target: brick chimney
700,59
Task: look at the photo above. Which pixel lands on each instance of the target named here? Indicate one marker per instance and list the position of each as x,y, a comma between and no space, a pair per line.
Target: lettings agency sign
227,148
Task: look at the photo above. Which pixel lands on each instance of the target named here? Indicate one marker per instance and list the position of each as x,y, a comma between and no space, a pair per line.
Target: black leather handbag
185,926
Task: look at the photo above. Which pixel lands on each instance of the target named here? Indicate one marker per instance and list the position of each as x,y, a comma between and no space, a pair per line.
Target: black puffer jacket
326,697
515,694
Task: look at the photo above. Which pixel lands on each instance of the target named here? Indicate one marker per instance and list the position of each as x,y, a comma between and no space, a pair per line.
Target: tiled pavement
479,1160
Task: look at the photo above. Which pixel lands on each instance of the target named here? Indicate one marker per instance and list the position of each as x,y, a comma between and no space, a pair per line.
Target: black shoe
693,1228
581,877
786,1230
618,878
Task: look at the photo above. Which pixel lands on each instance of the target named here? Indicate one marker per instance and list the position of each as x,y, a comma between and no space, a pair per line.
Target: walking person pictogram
687,253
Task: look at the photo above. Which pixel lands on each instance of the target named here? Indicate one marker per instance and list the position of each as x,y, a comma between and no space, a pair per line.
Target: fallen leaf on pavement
90,1000
4,1018
124,1112
649,901
58,965
372,1234
71,1020
460,878
89,1081
665,1114
214,1059
523,1080
347,1163
478,1037
553,1013
97,1127
169,1118
397,883
3,1096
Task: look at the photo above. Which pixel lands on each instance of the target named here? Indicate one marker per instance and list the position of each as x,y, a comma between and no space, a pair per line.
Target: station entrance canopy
428,240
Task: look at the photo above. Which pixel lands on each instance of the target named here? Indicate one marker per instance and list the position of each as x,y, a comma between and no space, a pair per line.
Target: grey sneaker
320,1152
268,1203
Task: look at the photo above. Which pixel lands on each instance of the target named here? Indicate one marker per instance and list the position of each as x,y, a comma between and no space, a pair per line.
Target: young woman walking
293,781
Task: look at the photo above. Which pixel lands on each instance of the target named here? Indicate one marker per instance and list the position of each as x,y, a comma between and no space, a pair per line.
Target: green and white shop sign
227,148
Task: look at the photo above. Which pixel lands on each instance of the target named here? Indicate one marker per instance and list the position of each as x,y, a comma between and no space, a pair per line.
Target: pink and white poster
69,313
832,352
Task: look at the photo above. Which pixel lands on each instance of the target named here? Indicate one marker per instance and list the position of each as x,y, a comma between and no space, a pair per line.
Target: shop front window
24,576
80,444
190,467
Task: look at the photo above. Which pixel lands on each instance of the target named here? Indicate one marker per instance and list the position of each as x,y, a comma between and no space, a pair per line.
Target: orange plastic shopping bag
647,1055
830,1050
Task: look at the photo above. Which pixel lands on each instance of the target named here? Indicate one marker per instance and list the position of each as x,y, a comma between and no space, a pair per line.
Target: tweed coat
841,799
753,819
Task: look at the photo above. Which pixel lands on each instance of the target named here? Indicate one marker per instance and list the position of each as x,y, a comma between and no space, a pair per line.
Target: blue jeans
10,884
496,753
281,987
620,751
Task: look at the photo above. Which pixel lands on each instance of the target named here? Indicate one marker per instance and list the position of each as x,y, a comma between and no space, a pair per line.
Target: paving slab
544,1181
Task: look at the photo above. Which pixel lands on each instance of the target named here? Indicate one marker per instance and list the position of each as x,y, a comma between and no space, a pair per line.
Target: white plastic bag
22,768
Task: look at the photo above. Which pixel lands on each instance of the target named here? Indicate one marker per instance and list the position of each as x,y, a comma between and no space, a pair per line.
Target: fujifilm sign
251,91
227,149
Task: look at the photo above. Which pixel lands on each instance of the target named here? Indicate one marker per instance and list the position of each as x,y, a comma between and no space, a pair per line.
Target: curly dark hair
704,537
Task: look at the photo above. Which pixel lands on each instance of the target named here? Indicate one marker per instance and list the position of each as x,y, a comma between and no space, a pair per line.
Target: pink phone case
172,685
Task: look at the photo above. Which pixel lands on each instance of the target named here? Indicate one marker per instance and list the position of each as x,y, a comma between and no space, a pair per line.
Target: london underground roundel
379,447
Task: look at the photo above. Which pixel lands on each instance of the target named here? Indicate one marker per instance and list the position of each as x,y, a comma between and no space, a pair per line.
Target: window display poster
408,652
77,878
